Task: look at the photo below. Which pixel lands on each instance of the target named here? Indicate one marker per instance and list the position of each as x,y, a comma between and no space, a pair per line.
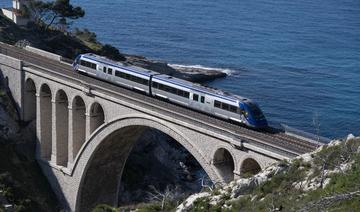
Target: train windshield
255,110
76,61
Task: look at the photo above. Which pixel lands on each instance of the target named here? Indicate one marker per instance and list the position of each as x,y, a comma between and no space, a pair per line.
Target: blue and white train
231,107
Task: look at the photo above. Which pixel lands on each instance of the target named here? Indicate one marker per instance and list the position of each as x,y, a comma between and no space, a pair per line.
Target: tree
54,13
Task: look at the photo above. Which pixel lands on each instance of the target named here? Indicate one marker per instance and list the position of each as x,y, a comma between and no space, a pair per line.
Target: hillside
69,45
325,180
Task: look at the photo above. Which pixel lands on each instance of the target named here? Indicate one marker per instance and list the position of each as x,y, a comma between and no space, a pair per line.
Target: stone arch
30,100
78,124
107,151
45,116
97,117
250,166
61,127
223,160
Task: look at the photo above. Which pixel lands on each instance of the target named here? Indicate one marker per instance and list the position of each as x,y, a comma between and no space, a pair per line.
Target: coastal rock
188,204
350,137
193,74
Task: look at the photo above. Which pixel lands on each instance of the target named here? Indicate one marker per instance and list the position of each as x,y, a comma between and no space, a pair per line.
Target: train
233,108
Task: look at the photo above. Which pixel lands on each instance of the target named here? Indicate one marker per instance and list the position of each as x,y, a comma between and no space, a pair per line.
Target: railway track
272,138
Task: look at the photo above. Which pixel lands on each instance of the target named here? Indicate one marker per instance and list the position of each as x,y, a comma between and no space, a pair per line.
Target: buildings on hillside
17,13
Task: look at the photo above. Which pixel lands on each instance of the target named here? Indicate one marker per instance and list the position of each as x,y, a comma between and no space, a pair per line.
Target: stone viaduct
85,133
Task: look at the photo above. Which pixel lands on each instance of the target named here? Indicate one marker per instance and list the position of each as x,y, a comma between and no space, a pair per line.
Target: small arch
45,121
30,100
62,127
97,117
249,167
224,162
78,124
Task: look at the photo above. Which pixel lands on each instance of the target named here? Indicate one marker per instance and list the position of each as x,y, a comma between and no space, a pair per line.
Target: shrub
104,208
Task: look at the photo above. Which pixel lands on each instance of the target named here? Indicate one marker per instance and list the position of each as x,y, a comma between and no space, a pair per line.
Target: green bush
104,208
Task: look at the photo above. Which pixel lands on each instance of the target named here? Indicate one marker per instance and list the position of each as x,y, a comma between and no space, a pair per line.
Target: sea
299,60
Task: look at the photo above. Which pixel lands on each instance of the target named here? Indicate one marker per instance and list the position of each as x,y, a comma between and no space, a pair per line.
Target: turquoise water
300,60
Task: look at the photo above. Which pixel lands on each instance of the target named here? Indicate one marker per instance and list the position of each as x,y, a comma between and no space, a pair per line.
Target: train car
224,105
122,74
211,101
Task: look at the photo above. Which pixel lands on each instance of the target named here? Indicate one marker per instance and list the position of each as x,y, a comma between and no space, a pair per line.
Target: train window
195,97
119,74
225,106
233,109
88,64
155,84
217,104
104,69
202,99
186,94
110,71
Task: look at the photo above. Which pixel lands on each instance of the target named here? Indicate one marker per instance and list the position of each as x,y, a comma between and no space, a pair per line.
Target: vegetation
57,13
342,193
55,37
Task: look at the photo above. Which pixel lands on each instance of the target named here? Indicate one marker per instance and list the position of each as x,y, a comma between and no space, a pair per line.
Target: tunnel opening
224,163
132,162
249,167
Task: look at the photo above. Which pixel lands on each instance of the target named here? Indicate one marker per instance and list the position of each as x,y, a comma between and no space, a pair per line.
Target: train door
207,102
201,102
100,71
109,72
194,100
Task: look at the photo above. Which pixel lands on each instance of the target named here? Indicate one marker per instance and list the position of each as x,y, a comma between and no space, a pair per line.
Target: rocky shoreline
193,74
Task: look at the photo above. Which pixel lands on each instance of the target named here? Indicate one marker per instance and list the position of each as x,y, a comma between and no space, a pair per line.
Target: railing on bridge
317,139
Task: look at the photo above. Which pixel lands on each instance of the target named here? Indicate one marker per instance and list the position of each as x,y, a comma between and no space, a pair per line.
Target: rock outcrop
312,177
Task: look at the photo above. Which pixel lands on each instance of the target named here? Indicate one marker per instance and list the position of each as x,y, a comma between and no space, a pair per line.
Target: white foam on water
224,70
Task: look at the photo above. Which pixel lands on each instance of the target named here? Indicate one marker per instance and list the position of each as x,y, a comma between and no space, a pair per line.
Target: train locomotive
221,104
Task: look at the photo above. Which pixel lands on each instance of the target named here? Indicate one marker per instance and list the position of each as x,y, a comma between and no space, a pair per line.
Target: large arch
62,127
78,124
97,117
102,159
249,166
224,162
30,100
45,96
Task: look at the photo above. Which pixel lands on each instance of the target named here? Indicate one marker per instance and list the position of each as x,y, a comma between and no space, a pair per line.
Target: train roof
121,65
